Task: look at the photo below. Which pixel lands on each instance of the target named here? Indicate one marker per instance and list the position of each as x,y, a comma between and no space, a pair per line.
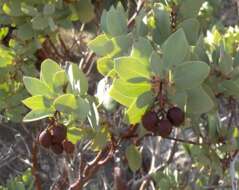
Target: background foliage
97,67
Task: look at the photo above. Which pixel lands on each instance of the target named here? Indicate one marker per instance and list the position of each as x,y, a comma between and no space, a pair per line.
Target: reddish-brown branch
66,51
119,180
93,167
35,166
130,133
54,47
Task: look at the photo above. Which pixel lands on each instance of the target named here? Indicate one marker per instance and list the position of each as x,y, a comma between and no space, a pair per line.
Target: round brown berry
45,139
176,116
68,146
164,128
57,148
58,134
150,120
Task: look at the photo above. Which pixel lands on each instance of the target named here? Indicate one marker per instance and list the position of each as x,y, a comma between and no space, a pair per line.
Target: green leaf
100,139
104,46
103,21
39,22
139,106
122,44
66,103
198,101
118,96
101,45
231,88
236,59
82,10
141,27
191,28
74,134
116,16
213,126
37,102
226,63
190,8
93,115
78,80
190,74
200,50
134,157
36,87
156,64
48,70
82,109
35,115
49,9
20,185
52,24
175,49
178,98
29,10
6,59
163,26
12,8
162,180
131,89
59,80
105,65
25,32
142,50
131,68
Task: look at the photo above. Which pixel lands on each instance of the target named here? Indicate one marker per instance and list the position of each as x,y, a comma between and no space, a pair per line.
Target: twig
63,45
92,168
139,7
35,166
171,138
54,47
184,141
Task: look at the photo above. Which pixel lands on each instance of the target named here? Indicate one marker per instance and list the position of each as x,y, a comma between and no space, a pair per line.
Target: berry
68,146
57,148
58,134
164,128
45,139
150,120
176,116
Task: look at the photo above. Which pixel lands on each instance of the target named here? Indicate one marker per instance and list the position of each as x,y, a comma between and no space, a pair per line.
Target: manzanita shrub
163,76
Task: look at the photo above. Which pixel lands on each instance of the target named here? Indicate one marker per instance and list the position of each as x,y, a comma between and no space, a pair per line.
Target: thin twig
139,7
35,166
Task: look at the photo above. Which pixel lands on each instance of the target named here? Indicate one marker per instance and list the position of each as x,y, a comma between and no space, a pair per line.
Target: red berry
176,116
164,128
150,120
58,134
57,148
68,146
45,139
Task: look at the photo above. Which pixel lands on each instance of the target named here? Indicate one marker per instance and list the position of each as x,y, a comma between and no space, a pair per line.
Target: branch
184,141
92,168
139,7
35,166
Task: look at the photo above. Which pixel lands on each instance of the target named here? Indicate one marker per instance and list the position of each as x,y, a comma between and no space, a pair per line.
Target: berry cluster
55,138
163,127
